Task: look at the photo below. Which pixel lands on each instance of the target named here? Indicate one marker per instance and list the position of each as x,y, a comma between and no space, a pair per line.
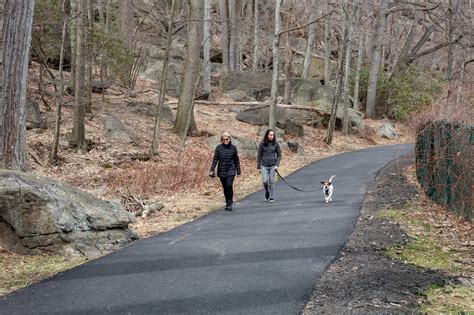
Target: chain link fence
444,164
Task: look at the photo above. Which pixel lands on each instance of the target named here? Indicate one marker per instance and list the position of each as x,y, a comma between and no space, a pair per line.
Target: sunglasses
225,139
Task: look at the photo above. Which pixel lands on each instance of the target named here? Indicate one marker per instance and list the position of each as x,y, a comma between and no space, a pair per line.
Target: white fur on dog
328,189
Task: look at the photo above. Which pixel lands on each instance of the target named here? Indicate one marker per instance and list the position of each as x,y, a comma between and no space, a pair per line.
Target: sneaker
267,196
271,200
228,208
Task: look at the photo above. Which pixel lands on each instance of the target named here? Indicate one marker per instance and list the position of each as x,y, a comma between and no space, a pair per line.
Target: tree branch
307,24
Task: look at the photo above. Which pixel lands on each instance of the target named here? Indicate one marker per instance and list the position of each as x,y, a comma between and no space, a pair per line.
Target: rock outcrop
38,214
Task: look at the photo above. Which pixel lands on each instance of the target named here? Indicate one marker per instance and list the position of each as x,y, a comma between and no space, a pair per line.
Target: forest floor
115,170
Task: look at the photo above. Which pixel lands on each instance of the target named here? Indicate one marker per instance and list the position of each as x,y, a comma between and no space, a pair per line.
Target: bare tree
89,55
275,74
17,23
360,51
347,69
327,52
337,93
223,7
184,123
206,47
164,74
2,5
57,127
255,37
310,42
376,58
78,137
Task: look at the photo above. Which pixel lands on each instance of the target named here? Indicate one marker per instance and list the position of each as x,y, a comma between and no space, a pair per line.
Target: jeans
268,179
227,185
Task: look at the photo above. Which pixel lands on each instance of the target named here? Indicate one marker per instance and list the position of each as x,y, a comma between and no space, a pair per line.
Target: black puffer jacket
227,160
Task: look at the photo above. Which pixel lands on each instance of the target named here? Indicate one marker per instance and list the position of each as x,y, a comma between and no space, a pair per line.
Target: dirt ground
364,279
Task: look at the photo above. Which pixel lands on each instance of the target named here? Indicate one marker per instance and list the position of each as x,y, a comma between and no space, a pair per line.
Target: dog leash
295,188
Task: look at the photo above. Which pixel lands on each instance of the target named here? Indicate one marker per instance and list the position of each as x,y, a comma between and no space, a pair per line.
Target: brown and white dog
328,189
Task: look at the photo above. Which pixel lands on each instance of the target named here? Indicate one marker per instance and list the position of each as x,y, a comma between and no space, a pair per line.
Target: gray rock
39,214
116,130
33,115
149,109
387,130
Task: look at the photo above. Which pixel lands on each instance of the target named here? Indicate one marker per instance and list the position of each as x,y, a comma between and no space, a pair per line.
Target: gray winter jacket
269,154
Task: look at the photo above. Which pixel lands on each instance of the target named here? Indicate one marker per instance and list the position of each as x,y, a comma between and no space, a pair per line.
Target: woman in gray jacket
268,160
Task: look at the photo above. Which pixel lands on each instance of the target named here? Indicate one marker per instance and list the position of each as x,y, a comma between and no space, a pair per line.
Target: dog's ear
323,183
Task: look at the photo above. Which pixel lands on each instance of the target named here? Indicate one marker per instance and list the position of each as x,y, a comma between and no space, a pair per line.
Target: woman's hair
225,134
265,137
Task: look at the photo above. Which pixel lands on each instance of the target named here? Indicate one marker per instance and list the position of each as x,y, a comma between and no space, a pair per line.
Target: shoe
267,196
228,208
271,200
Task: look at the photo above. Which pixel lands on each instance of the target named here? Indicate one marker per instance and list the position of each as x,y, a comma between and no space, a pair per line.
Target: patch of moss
423,252
453,299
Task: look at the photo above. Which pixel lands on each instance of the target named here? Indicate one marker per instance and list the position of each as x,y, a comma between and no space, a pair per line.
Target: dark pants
227,184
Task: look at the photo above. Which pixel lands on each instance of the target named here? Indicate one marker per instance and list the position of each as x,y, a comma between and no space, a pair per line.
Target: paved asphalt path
261,258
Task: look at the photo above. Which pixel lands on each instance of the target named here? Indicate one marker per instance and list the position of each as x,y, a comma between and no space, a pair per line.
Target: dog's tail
330,179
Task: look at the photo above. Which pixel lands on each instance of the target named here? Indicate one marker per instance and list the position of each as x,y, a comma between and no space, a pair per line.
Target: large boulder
115,129
259,116
387,130
38,214
149,109
256,85
33,115
306,91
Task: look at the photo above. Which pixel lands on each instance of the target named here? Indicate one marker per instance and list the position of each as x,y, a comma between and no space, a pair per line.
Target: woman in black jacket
268,160
228,166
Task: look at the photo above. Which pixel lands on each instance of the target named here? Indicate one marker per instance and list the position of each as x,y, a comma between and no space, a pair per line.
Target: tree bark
337,93
159,116
17,24
327,53
78,132
206,47
275,49
223,7
255,38
53,157
2,12
310,42
376,59
360,51
89,58
184,123
347,69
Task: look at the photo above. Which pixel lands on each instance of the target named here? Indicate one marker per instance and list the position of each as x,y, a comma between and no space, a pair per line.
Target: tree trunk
288,63
223,7
126,21
360,51
233,16
2,12
53,157
347,70
327,53
184,123
159,116
449,35
376,59
337,93
78,132
73,39
17,24
275,48
255,38
310,42
206,47
89,58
